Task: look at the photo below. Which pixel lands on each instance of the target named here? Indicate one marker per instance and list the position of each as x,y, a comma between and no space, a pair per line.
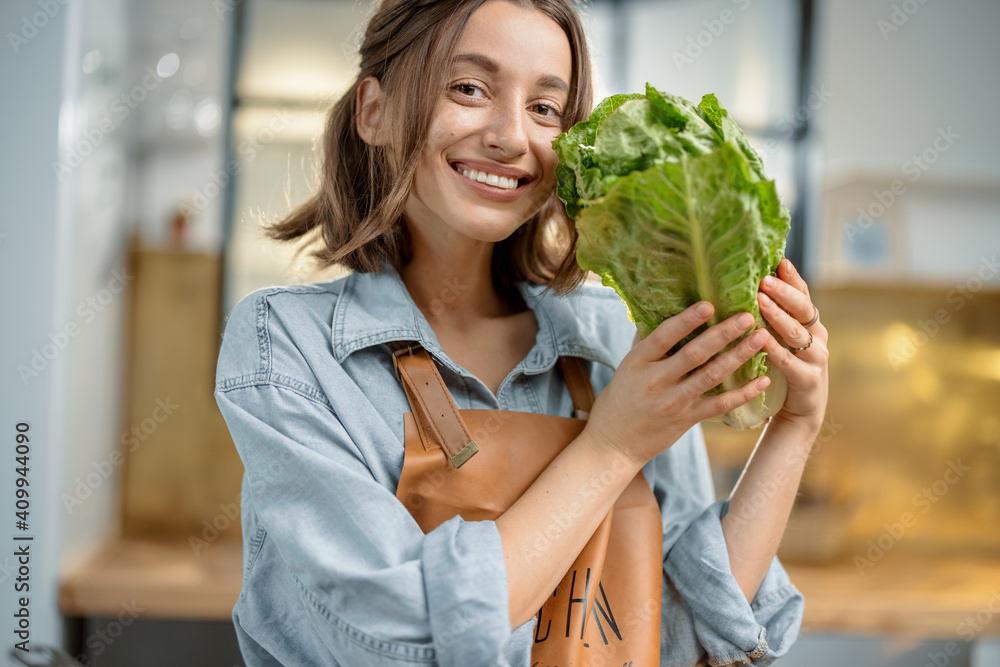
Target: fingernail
765,298
757,338
703,309
768,281
763,382
744,320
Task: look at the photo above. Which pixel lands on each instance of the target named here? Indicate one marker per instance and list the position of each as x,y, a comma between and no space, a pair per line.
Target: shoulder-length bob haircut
355,217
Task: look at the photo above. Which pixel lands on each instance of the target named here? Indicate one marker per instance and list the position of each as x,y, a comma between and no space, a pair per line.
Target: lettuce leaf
672,206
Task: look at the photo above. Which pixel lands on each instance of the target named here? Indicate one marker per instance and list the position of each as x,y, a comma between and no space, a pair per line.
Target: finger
791,330
715,372
790,299
710,342
788,273
714,406
784,359
673,330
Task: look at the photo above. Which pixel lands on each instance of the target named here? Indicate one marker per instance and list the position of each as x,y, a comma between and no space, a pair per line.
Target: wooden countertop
905,597
167,580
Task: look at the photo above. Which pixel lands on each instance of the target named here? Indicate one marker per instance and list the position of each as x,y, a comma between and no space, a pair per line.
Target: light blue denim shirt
337,572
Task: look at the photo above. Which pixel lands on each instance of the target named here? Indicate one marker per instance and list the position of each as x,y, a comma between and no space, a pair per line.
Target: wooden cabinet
181,473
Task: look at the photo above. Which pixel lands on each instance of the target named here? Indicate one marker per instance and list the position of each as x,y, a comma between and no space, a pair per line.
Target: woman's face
502,106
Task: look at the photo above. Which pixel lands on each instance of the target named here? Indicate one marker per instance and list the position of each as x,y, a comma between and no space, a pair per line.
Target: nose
506,132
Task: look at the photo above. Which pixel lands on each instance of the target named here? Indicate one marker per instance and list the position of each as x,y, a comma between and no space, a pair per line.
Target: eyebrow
489,65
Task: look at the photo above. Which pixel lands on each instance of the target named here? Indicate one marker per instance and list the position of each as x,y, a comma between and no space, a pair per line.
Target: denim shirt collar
376,308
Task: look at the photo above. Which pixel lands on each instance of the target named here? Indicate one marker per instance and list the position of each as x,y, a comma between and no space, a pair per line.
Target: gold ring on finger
807,345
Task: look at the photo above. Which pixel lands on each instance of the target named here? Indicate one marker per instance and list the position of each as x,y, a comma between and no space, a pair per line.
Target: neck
452,283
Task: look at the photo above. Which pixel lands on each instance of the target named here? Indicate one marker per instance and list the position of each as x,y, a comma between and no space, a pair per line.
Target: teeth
490,179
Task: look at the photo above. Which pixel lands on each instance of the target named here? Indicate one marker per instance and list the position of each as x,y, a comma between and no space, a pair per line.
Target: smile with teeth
501,182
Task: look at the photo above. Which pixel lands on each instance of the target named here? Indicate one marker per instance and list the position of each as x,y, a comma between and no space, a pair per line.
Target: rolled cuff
703,595
466,584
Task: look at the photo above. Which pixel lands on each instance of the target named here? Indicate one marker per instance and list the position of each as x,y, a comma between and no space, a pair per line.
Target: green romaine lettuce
673,207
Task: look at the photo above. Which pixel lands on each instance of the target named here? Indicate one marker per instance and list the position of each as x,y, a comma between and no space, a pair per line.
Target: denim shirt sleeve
374,588
705,615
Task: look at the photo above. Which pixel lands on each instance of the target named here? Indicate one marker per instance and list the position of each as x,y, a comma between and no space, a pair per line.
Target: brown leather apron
477,463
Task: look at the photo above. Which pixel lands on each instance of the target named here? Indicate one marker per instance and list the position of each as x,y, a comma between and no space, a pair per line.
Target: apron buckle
403,350
458,459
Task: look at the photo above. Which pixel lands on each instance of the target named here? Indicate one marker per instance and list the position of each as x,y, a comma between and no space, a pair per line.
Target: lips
476,175
501,182
493,175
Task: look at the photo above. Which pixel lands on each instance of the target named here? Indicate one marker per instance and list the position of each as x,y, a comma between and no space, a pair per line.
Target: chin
494,232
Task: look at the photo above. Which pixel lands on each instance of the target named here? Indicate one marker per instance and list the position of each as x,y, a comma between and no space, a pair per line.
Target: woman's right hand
653,399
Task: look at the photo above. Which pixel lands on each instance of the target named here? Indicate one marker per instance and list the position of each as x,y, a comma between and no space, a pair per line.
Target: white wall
62,251
892,93
35,269
90,506
897,79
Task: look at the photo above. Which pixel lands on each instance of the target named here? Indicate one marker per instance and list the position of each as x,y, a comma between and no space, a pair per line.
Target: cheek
451,124
548,159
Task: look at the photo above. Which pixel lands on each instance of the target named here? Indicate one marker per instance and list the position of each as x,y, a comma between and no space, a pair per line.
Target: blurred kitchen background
144,144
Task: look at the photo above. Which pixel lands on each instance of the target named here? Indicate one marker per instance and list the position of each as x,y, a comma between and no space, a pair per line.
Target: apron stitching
451,403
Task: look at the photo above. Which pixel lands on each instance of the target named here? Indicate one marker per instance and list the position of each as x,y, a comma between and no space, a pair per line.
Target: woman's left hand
785,304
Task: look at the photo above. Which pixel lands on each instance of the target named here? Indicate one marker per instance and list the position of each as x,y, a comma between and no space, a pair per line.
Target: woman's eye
546,110
467,89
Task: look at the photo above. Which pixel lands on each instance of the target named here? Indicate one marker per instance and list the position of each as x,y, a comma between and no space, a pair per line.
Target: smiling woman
411,69
459,454
503,108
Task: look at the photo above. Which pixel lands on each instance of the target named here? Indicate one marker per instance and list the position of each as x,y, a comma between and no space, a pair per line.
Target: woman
438,194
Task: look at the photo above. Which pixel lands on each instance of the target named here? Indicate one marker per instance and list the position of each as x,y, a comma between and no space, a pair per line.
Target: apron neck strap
435,412
579,385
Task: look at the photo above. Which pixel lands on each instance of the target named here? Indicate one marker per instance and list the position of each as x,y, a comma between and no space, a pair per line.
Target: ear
367,110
